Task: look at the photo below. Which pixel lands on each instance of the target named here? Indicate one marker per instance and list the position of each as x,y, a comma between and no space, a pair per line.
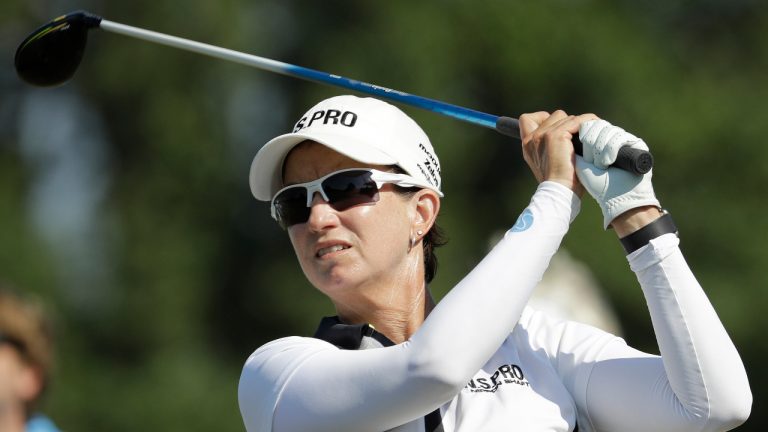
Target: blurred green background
124,202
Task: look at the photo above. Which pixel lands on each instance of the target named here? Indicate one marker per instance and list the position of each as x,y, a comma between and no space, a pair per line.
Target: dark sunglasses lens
291,206
350,188
344,190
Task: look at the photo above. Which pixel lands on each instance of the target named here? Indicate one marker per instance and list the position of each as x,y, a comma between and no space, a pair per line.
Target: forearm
491,298
698,383
702,365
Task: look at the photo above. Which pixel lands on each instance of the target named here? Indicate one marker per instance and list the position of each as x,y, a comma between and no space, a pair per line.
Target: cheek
385,226
298,239
301,248
10,371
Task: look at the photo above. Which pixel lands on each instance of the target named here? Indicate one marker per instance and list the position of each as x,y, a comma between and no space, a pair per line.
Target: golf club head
51,55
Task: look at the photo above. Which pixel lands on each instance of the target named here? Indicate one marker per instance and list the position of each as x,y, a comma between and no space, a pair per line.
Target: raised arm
699,382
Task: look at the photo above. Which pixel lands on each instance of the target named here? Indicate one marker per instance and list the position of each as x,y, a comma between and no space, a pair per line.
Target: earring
413,239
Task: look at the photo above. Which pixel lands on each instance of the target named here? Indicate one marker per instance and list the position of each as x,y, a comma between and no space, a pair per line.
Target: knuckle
554,135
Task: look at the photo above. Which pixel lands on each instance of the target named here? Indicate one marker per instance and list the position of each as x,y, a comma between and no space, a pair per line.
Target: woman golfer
357,187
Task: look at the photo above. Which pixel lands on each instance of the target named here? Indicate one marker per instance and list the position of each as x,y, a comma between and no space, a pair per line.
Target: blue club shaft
634,160
457,112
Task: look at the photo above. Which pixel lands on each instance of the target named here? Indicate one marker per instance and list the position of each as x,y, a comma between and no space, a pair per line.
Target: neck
12,420
398,322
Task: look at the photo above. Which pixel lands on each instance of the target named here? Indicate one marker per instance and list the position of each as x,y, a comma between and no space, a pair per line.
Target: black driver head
51,54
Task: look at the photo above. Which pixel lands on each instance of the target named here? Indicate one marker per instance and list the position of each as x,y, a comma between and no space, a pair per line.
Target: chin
335,281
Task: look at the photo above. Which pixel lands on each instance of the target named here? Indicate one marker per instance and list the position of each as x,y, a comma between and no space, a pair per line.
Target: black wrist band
641,237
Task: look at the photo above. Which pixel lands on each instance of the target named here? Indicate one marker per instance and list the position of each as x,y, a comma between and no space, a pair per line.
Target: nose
321,214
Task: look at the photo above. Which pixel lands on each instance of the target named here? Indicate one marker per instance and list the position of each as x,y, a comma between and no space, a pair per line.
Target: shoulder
290,343
267,371
282,353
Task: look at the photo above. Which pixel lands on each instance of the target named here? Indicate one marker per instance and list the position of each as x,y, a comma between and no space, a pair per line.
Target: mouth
330,249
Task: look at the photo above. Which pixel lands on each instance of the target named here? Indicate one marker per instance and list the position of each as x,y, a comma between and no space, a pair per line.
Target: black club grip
629,159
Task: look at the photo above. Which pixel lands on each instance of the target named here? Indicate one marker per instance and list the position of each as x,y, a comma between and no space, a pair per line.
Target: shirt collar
350,336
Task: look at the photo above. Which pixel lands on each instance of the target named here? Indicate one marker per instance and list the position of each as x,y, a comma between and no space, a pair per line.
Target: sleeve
697,384
321,388
267,371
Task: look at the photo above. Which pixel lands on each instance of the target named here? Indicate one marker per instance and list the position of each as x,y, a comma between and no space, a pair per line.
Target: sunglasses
342,189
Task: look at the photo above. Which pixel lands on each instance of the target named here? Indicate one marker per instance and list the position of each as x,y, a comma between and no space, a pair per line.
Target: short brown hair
24,325
434,238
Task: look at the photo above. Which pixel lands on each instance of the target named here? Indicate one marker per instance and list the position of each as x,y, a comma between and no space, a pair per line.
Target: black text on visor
341,189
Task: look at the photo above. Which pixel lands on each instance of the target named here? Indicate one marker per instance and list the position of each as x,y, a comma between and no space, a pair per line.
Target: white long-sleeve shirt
489,363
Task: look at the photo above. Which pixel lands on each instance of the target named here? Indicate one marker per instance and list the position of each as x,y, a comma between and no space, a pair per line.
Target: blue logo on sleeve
524,222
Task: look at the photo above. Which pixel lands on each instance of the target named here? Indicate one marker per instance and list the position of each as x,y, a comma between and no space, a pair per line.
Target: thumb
594,179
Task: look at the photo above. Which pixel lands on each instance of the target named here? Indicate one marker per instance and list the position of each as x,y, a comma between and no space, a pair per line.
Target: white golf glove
614,189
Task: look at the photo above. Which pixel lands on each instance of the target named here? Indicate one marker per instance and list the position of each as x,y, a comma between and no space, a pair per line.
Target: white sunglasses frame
380,177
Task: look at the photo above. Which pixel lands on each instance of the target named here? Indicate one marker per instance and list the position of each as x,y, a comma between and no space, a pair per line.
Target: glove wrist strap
641,237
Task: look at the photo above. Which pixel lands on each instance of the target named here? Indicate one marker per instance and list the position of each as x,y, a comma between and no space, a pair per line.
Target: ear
426,207
29,383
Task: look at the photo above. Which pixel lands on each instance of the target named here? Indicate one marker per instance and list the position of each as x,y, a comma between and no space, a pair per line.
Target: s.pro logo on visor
332,116
524,221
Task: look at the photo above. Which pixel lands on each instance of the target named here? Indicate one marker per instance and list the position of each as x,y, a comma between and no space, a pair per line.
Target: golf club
50,56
